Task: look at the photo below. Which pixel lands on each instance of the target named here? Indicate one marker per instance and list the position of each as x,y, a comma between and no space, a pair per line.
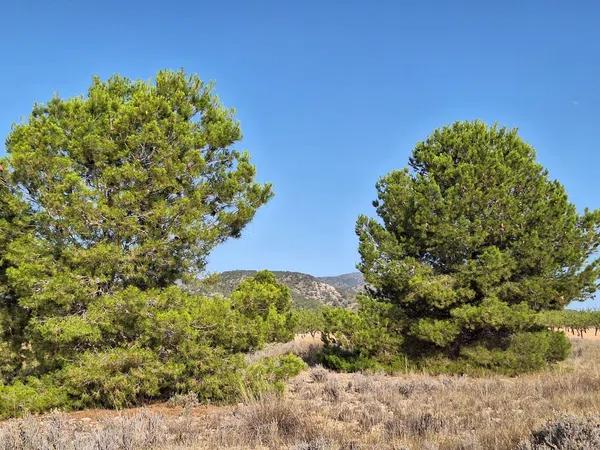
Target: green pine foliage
473,240
309,320
267,302
108,204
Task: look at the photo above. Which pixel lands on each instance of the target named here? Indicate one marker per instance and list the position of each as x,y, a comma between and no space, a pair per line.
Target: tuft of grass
274,420
332,391
319,374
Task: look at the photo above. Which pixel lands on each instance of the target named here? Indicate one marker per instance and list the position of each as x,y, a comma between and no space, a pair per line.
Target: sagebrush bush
566,433
275,422
56,431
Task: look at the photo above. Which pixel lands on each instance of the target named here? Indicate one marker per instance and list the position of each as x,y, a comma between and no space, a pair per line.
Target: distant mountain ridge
307,290
348,284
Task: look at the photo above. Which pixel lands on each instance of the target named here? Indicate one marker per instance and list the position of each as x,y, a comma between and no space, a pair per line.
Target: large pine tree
125,189
473,239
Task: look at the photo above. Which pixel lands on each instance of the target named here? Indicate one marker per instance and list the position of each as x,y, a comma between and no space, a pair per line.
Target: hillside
307,290
348,284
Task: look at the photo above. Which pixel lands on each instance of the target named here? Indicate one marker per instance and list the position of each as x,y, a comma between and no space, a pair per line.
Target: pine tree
126,189
474,239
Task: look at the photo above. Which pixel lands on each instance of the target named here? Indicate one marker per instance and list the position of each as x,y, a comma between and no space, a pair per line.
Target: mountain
348,284
307,291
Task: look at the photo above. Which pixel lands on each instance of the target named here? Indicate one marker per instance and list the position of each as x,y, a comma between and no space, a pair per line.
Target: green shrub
345,361
215,376
372,330
524,352
559,347
309,320
33,396
178,342
268,302
119,378
270,373
227,378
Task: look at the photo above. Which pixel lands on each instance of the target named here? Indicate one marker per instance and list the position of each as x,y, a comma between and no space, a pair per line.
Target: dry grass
144,430
567,433
305,346
325,410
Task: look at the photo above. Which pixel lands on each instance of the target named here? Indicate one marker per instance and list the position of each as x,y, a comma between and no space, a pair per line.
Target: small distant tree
473,240
262,298
310,320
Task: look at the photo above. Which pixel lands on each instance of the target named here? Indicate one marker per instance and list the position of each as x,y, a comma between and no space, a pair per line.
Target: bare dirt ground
325,410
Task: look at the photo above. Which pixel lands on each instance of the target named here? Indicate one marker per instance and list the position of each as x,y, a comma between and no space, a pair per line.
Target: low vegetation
322,409
191,344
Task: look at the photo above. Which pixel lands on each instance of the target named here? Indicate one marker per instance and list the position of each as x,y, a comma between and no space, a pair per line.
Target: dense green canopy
477,217
129,186
134,183
473,239
108,204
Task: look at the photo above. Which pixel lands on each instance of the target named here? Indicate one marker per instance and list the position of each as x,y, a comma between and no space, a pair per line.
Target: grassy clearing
326,410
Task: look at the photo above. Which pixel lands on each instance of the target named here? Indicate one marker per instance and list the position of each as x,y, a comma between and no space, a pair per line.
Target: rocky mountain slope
348,284
307,290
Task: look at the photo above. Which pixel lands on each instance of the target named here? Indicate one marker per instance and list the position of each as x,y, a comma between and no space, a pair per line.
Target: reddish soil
163,409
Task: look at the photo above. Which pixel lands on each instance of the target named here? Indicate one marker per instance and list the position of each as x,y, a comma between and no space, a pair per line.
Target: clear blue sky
330,94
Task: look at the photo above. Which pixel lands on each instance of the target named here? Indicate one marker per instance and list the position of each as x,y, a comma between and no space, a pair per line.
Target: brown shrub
319,374
332,391
144,430
273,420
371,415
422,424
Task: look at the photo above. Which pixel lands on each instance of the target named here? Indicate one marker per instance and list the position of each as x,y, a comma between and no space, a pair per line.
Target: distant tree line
575,322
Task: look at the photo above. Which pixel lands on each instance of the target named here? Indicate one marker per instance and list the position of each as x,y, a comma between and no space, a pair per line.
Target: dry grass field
325,410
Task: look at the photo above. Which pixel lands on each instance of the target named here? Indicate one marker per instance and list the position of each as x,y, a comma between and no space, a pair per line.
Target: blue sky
331,95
